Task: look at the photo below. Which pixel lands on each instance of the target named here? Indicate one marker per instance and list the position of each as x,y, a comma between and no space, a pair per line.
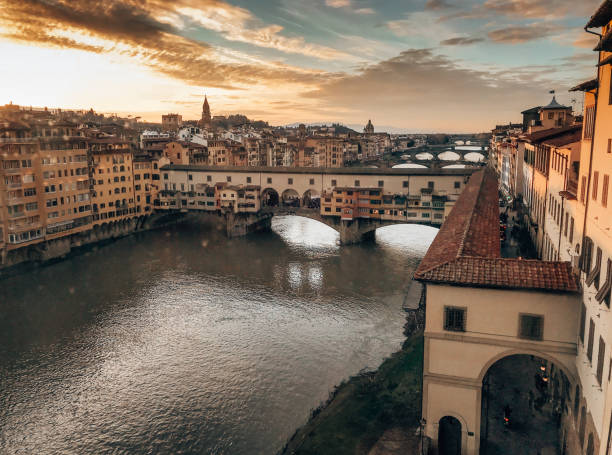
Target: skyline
431,66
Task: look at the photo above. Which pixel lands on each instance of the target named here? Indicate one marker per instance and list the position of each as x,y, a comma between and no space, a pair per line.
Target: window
590,343
430,185
600,359
593,276
249,180
454,319
165,176
551,115
189,177
269,180
609,145
595,182
229,178
209,178
457,185
583,189
604,190
357,183
531,326
405,184
604,292
334,183
312,181
571,233
381,183
290,181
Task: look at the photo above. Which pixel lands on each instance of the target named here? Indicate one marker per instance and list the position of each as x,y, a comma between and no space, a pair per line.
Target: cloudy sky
413,65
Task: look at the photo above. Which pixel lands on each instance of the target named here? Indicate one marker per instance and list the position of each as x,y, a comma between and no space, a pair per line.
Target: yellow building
111,174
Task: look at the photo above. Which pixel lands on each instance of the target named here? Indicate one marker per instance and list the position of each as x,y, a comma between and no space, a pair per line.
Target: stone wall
18,260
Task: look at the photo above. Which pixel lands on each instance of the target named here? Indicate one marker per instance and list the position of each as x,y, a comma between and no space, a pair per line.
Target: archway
523,398
290,198
269,198
449,436
311,199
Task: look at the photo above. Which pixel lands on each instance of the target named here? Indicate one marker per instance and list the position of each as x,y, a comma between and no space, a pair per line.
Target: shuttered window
600,359
595,184
604,190
583,189
591,339
582,323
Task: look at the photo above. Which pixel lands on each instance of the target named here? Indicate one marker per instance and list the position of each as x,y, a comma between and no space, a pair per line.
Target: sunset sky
412,65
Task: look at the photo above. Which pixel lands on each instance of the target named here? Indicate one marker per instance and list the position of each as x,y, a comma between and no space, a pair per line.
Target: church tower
369,129
206,117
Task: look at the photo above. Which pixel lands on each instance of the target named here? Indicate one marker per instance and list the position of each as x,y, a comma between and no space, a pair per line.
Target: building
110,167
172,122
369,128
206,120
482,308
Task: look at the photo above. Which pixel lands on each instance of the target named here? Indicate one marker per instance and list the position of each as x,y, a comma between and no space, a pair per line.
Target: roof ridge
435,266
469,223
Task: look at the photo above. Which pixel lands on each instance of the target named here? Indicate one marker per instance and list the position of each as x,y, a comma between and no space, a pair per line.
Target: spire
206,116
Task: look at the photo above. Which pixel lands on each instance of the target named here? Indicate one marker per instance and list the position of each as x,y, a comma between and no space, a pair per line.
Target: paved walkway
397,441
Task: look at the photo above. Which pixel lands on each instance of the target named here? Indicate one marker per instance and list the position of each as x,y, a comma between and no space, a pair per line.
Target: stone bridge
281,188
241,224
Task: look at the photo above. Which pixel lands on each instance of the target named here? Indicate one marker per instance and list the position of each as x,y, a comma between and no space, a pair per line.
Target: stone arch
270,197
543,355
311,199
290,197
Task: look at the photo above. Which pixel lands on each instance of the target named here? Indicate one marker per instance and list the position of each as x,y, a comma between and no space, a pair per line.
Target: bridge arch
270,198
291,198
311,199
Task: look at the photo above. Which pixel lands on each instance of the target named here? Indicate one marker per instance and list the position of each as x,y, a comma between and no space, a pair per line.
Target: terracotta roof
585,86
466,251
602,16
504,273
566,139
545,135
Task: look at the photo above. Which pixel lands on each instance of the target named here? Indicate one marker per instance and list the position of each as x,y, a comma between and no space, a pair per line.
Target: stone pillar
241,224
355,231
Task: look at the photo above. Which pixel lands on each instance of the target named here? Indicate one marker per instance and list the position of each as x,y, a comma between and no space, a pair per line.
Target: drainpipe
588,188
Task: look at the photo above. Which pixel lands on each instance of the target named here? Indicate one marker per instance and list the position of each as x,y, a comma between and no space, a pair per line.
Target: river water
182,341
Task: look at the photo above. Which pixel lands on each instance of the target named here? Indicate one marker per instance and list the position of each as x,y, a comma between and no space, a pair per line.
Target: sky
408,65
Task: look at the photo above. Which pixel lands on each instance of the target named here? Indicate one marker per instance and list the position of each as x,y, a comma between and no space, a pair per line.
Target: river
182,341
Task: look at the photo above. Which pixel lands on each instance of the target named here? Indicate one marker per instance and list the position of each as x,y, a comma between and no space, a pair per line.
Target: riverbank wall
360,410
21,260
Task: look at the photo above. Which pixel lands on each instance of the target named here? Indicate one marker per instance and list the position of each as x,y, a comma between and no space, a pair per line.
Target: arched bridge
355,202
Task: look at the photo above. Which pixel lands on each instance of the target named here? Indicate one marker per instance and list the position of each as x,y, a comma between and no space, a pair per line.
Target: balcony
18,140
25,227
12,171
16,215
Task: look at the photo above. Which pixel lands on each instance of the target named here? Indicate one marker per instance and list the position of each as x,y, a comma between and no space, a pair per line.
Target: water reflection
180,341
